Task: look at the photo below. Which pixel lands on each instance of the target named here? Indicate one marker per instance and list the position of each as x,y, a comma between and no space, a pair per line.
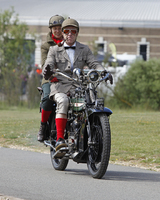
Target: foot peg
60,153
47,143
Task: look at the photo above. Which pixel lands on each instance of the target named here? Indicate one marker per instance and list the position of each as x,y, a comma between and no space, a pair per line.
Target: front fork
88,129
90,98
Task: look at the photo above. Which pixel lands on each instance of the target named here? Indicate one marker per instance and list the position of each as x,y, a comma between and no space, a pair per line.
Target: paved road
30,176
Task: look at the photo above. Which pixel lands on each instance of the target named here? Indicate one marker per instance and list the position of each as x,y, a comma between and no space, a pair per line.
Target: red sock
45,115
60,126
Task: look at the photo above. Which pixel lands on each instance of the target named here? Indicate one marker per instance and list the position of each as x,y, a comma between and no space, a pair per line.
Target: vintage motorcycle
87,134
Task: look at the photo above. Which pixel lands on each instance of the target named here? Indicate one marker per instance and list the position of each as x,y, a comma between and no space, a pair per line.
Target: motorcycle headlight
93,76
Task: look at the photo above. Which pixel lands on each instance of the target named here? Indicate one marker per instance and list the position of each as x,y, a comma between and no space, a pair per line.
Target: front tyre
99,150
58,164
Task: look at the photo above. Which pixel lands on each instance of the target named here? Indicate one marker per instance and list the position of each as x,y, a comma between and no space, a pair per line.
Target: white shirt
70,53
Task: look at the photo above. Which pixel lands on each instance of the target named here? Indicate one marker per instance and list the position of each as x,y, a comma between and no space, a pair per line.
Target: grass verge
19,128
135,135
136,138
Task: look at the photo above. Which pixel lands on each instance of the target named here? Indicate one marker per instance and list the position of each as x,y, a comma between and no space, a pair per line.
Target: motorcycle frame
84,137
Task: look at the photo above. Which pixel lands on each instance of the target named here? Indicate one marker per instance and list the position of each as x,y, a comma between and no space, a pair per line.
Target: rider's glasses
67,31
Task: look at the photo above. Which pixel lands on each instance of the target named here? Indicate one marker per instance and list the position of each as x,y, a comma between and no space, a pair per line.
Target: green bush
140,87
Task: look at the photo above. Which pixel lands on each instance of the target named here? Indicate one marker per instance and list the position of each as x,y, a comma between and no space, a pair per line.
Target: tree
140,85
15,55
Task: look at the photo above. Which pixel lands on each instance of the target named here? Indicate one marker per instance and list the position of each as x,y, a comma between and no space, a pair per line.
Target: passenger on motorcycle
53,38
66,58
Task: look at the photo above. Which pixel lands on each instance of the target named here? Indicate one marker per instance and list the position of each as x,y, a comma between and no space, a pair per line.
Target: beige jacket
58,58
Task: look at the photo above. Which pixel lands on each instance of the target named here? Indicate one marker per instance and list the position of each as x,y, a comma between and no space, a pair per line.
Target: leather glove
47,72
110,77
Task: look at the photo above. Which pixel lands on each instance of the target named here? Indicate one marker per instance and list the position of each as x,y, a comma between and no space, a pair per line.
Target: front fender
105,110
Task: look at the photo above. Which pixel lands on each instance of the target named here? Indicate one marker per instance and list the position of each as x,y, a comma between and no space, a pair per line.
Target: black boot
60,143
42,132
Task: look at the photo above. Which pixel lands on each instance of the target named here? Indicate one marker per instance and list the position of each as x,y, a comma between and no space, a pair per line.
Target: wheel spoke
94,151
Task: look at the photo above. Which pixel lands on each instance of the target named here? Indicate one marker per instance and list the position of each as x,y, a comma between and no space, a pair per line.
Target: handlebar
66,76
73,79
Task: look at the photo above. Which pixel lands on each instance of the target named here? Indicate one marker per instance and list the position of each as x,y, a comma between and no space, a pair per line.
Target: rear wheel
99,150
58,164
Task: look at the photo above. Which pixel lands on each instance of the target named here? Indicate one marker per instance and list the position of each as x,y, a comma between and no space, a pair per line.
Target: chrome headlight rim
89,73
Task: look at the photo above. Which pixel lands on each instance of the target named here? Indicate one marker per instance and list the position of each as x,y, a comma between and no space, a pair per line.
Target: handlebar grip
106,76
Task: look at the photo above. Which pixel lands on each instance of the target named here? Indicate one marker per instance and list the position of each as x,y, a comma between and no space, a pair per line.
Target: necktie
70,47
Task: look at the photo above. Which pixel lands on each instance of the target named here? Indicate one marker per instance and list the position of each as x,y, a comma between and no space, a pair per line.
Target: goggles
67,31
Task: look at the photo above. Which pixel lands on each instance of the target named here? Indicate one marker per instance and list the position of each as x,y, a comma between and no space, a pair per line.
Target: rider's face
70,33
57,32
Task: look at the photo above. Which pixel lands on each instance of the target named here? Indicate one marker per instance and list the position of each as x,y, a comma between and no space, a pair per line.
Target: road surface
30,176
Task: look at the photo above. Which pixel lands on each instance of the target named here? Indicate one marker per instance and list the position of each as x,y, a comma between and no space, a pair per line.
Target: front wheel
99,150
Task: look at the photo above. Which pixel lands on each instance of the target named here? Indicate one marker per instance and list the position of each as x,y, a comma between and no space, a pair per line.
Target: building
133,26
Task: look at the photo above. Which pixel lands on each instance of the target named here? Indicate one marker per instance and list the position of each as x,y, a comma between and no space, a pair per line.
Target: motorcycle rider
66,58
53,38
